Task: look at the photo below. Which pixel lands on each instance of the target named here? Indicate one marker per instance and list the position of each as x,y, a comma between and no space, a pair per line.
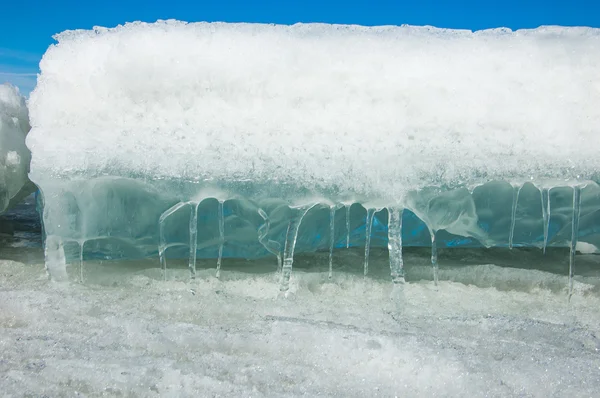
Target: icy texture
354,110
123,218
213,140
131,335
14,155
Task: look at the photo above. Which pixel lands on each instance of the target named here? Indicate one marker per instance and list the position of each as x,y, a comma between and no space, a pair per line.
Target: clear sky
27,26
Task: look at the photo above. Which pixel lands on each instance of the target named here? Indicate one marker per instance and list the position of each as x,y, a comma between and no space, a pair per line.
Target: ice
395,245
545,196
486,330
434,258
14,155
369,228
513,216
456,135
332,210
574,235
348,225
221,237
291,237
193,239
272,246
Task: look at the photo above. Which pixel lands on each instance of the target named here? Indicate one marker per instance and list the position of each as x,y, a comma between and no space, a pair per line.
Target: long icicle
348,206
81,244
574,235
221,238
193,239
368,228
162,240
545,196
54,255
290,244
549,213
332,209
163,261
434,257
395,244
513,217
272,246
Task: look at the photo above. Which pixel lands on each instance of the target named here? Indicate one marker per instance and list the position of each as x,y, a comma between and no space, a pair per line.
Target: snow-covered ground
126,332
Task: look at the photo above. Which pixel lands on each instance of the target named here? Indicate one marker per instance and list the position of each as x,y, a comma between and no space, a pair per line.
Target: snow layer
367,110
127,334
14,155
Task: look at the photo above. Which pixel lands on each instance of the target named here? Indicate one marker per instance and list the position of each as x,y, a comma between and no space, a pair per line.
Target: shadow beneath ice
523,270
21,233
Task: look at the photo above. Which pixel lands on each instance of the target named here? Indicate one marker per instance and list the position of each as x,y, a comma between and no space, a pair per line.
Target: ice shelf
246,140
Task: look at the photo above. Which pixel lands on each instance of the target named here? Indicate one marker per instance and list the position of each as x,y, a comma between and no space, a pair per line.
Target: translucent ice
14,155
460,133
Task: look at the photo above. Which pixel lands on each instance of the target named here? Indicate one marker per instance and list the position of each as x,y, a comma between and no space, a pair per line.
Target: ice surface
14,155
207,140
131,334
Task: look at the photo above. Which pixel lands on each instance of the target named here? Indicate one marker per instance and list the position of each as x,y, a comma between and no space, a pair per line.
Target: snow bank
14,155
369,110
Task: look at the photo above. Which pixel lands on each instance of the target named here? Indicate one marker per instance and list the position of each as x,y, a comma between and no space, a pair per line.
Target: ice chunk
460,133
14,155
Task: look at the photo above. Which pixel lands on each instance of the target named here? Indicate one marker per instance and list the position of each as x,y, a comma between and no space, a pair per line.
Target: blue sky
27,26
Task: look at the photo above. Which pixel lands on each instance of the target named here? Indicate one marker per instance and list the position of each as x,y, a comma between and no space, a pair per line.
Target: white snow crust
14,155
485,330
369,110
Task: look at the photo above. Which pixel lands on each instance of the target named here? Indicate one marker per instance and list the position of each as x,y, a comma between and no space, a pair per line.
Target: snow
371,111
499,323
127,333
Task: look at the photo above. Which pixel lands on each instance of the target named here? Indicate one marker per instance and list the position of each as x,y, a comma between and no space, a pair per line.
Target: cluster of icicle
285,257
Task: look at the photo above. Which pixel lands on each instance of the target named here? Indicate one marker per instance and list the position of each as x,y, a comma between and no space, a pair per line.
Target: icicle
161,256
272,246
545,196
348,206
221,238
163,261
434,262
395,244
290,244
549,215
574,235
55,260
81,244
513,217
162,240
369,226
193,239
332,209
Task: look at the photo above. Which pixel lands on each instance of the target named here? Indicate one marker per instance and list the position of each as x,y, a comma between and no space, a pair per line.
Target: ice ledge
275,114
114,217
